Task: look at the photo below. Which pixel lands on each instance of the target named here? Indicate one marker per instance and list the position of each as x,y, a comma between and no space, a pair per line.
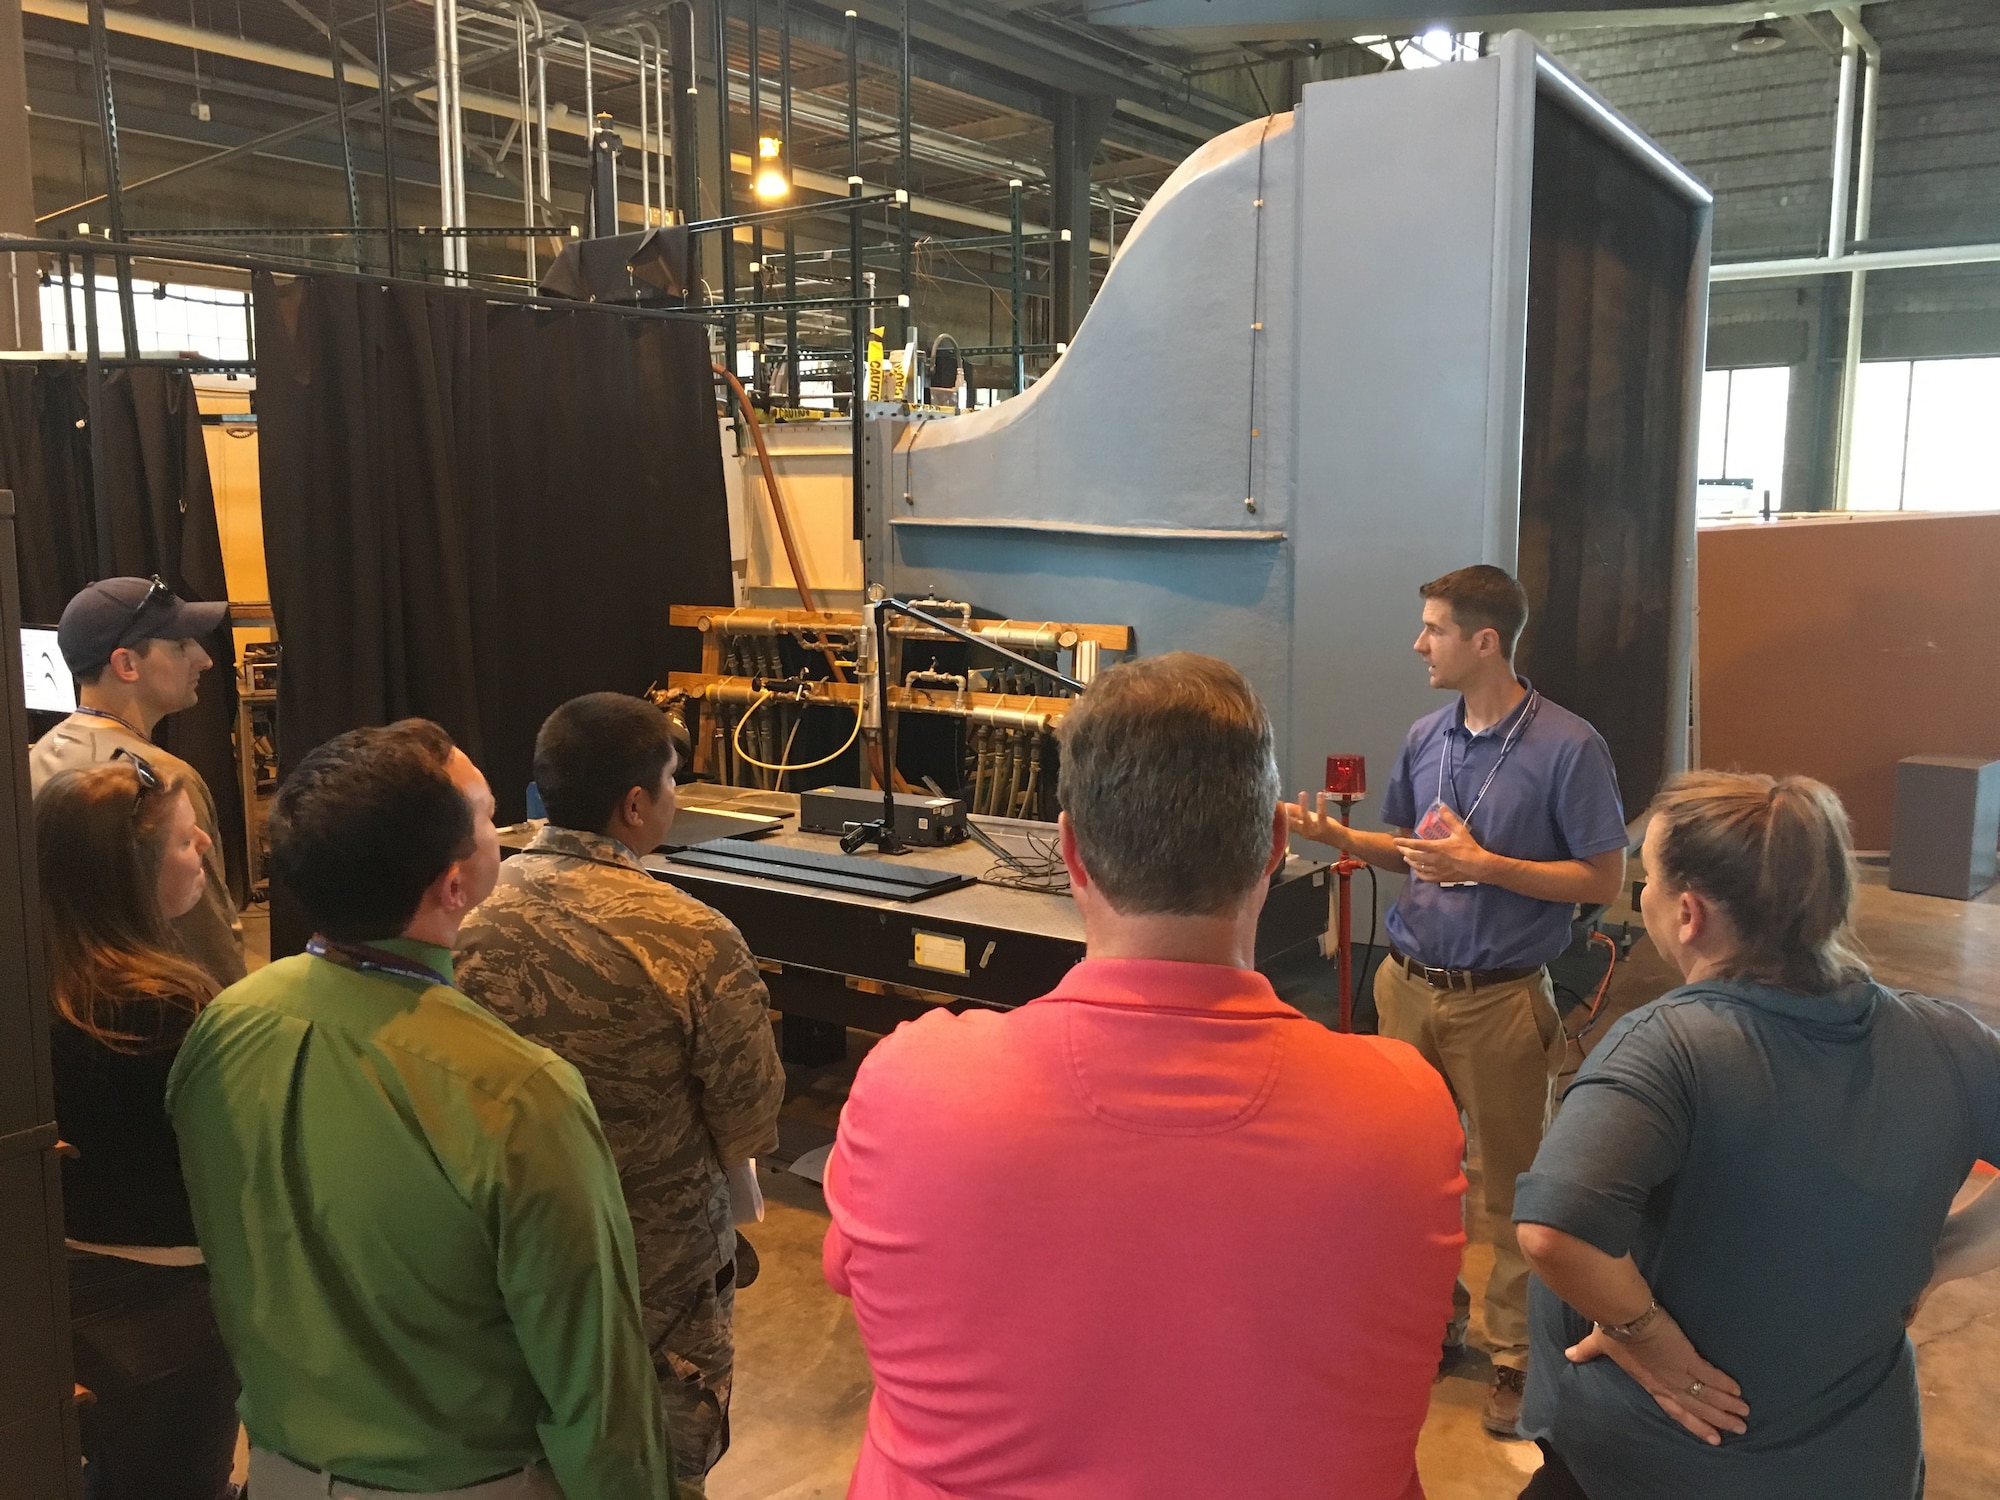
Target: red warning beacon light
1347,776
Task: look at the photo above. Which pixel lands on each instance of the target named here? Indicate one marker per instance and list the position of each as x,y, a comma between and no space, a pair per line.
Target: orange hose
791,546
771,487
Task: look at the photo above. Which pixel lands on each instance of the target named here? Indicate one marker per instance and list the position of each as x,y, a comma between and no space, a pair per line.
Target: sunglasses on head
149,779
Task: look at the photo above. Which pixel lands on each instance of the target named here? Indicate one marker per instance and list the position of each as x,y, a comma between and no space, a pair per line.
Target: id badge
1433,825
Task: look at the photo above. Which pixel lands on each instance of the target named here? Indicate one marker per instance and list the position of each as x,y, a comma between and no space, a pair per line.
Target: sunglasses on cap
160,589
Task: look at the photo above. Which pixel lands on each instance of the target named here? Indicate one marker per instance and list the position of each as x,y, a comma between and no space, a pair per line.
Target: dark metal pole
384,86
724,184
93,380
755,53
686,149
69,307
791,238
1014,295
340,112
859,311
904,255
114,201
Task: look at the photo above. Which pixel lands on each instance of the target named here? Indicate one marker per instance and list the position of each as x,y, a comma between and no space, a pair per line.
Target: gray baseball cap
115,612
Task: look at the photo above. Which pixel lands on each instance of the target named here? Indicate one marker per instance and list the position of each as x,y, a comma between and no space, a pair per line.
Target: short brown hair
1483,597
115,971
365,823
1776,856
1170,779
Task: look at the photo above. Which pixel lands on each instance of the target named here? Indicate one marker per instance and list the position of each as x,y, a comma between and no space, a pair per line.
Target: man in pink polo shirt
1155,1234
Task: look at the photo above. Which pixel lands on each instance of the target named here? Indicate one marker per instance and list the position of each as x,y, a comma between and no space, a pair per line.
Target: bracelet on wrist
1636,1328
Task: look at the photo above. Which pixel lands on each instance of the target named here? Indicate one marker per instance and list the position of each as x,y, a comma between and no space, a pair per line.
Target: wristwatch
1625,1333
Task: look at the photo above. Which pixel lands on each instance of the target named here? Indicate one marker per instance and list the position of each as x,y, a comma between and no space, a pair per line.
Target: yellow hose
765,697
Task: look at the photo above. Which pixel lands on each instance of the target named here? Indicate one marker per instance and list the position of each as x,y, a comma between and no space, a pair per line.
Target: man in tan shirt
135,649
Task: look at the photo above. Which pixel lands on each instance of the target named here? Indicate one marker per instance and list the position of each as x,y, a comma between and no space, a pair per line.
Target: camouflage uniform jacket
653,997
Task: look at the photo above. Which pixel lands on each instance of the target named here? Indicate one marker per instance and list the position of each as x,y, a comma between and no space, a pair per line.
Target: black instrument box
921,822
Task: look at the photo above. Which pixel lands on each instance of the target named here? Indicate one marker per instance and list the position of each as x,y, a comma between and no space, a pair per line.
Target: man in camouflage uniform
655,1000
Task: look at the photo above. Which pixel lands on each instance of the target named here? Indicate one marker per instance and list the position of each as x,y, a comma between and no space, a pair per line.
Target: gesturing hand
1687,1387
1313,823
1455,857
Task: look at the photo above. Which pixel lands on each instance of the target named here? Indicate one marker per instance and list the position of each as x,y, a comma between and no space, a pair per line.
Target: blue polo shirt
1555,797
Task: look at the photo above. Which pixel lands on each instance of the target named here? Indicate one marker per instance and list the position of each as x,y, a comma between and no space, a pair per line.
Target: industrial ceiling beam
1193,23
1039,54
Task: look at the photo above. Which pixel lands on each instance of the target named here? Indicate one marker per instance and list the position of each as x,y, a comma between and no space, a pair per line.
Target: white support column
1857,38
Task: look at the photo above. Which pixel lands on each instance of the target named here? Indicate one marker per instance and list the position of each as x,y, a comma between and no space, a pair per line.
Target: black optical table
839,958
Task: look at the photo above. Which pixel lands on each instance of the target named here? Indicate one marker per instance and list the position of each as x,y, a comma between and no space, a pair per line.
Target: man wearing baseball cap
135,649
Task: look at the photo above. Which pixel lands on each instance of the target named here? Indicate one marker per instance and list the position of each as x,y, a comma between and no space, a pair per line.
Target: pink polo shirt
1155,1234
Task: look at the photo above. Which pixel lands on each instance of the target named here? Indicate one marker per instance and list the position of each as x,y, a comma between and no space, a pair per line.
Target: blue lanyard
1506,749
105,713
366,960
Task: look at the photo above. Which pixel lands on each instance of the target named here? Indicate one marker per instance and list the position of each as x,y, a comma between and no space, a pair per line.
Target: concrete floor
802,1382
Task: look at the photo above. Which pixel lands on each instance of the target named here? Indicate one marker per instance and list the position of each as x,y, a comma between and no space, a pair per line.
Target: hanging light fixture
1758,38
771,182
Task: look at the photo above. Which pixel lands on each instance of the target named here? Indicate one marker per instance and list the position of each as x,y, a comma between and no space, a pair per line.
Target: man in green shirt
421,1259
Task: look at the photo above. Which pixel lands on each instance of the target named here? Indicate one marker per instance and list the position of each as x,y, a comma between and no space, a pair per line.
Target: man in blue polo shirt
1506,815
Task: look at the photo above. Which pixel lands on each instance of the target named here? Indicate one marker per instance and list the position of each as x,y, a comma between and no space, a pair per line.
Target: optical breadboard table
874,958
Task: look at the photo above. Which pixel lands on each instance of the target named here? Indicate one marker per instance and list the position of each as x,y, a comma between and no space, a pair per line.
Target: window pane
1881,399
1954,455
1757,434
200,320
1714,501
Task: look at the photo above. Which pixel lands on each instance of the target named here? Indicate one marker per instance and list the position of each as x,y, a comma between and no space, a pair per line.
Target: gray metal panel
1380,235
1400,204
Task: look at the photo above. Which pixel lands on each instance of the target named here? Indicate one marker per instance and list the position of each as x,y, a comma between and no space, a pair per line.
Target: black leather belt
1460,979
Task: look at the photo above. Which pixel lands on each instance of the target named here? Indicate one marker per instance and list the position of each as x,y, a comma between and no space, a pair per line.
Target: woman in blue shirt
1745,1189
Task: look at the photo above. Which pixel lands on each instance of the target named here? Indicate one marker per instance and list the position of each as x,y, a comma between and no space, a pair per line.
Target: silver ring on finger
1696,1389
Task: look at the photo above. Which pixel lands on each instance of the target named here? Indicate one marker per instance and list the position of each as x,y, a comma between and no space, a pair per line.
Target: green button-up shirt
421,1260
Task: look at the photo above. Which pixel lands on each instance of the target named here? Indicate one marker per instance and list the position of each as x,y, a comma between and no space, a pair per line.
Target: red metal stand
1344,871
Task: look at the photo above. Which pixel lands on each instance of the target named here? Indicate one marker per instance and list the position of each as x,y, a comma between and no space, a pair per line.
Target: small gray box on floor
1947,825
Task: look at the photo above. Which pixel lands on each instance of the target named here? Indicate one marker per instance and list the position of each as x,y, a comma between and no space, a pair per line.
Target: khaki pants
275,1477
1499,1048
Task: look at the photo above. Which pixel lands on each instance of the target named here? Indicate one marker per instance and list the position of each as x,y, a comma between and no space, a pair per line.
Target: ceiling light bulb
771,184
768,147
1760,37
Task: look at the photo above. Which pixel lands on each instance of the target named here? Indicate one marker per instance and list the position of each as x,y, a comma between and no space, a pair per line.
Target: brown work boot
1502,1417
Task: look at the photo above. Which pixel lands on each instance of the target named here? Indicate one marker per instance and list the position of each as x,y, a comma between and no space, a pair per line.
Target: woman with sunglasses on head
121,855
1745,1194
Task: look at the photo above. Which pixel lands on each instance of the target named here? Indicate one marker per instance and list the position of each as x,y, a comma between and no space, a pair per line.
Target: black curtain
474,511
1607,414
156,514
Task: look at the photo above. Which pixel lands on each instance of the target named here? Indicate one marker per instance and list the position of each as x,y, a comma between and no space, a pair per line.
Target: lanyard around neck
365,959
105,713
1445,770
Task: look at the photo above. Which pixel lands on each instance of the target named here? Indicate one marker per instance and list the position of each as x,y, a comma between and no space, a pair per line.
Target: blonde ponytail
1777,856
